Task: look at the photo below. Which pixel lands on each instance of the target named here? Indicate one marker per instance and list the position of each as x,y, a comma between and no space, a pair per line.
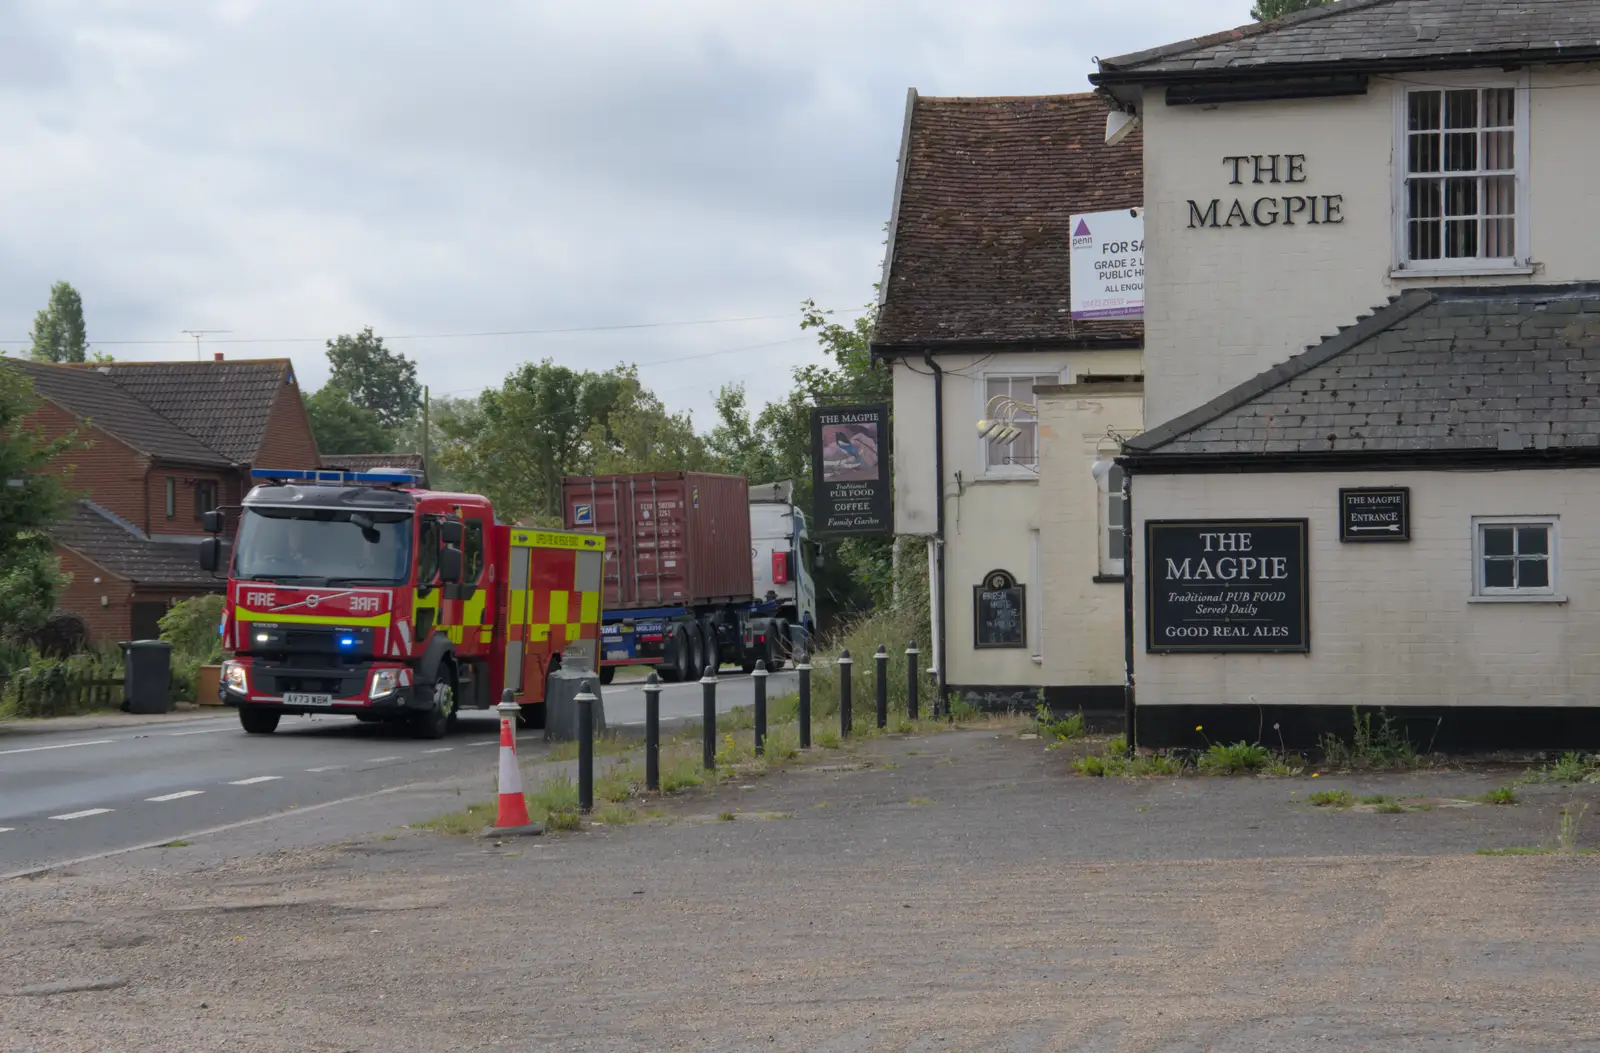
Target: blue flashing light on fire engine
347,641
394,477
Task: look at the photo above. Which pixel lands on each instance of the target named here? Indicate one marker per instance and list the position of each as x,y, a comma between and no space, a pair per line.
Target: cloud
300,169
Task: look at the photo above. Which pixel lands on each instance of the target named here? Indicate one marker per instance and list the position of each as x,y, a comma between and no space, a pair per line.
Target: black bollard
883,686
911,679
585,701
804,669
760,675
652,733
708,718
845,663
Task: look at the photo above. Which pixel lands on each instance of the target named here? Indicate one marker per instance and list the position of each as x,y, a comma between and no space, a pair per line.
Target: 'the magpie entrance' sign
1375,513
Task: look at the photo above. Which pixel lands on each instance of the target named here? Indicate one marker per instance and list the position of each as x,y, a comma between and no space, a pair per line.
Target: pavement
110,782
952,891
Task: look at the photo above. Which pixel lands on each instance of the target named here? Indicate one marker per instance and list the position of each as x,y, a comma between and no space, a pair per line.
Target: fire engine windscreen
323,546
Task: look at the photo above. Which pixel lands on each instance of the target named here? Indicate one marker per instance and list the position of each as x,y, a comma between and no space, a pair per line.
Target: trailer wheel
708,630
683,657
697,648
259,721
608,673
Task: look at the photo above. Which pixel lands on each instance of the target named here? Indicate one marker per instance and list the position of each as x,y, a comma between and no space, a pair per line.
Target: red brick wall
288,442
111,473
82,597
184,521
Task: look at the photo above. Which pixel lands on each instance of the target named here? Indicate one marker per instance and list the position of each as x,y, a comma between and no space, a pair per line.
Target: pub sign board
1227,585
1375,513
999,612
850,458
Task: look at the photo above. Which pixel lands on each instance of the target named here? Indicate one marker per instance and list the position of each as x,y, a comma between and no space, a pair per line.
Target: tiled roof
90,393
981,244
225,404
124,550
1376,34
1496,369
370,462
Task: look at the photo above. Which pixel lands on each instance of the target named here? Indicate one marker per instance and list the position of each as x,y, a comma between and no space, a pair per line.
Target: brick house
166,442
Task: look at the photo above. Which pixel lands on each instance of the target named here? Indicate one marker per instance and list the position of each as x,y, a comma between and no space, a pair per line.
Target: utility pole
425,431
198,333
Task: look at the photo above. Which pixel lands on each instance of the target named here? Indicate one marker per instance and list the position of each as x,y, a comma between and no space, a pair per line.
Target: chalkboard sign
1227,585
999,612
1375,513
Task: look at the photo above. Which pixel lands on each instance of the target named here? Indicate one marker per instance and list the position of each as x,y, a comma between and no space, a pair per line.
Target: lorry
679,580
359,593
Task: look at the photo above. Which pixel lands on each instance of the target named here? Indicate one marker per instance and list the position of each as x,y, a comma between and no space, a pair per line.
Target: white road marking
252,782
176,796
58,746
325,767
83,814
485,742
6,829
202,731
440,749
380,760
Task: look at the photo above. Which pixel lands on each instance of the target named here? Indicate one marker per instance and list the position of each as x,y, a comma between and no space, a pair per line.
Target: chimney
216,356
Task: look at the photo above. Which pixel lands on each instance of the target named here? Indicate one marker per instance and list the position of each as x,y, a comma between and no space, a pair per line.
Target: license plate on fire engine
301,698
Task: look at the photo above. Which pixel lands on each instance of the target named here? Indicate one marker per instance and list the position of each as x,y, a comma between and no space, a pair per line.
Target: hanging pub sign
999,612
850,470
1227,585
1375,513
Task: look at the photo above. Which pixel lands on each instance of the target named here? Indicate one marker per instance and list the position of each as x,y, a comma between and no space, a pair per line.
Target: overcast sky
292,170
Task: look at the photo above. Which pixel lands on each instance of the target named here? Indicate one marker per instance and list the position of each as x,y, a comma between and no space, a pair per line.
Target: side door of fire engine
553,607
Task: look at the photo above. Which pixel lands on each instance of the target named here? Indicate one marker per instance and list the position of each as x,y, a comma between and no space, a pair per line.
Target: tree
535,428
1266,10
32,499
58,331
376,378
639,435
342,426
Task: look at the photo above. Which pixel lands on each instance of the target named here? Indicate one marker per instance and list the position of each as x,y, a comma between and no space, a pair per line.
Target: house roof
92,394
121,548
979,244
1497,370
1375,35
224,404
370,462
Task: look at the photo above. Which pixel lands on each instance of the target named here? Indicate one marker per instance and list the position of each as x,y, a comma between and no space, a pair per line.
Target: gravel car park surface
954,891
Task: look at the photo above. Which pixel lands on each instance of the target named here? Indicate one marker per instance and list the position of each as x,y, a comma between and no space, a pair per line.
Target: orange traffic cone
511,812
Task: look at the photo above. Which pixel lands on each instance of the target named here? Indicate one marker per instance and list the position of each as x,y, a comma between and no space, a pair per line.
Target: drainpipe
940,655
1127,607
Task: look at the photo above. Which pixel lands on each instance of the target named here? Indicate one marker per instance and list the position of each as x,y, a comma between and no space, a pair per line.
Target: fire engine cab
358,593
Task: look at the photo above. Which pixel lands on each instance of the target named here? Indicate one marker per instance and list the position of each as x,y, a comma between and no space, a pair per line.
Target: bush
59,687
1064,730
193,629
1373,748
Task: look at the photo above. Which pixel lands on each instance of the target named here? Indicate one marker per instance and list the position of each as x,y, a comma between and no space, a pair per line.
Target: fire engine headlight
235,677
384,681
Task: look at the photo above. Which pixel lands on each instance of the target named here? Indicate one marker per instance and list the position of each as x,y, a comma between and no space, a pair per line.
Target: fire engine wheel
258,721
436,721
608,673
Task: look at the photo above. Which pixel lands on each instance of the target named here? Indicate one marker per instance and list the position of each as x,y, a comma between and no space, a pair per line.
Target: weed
1570,767
828,739
1117,745
613,814
1384,747
1499,795
1376,798
557,793
617,783
1063,730
1567,829
1240,758
562,819
913,753
726,817
731,752
1141,808
1116,762
783,744
1516,851
680,772
904,727
1091,765
918,802
1330,798
466,822
607,745
962,710
1390,808
180,843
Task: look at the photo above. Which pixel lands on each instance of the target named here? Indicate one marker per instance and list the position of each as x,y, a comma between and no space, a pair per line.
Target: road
67,795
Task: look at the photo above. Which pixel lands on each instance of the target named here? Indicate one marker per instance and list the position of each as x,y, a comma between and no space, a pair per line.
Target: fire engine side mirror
452,531
211,554
450,565
212,522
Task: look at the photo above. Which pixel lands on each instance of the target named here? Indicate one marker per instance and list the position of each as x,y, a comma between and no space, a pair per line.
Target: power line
446,336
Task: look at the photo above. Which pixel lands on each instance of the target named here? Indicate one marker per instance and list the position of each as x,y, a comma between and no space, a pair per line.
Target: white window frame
1522,262
1012,471
1109,567
1482,593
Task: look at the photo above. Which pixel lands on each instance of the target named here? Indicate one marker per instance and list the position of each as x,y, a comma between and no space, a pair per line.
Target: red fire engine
357,593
